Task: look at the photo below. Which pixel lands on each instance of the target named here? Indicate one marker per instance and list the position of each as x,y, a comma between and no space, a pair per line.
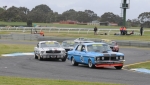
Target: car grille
110,57
56,51
113,58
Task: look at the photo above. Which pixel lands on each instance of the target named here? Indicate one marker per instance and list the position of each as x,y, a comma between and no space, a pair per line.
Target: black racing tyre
35,56
73,62
64,59
90,64
40,58
118,67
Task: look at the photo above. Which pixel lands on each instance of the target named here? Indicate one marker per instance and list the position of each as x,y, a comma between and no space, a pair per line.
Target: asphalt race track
27,66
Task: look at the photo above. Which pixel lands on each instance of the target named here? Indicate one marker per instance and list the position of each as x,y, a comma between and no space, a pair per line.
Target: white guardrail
68,30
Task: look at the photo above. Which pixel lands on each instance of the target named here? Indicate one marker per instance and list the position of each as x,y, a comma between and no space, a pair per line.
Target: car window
83,47
50,44
79,48
81,38
68,44
98,48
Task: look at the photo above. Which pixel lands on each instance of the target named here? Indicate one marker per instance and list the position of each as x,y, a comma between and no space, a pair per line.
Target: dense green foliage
44,14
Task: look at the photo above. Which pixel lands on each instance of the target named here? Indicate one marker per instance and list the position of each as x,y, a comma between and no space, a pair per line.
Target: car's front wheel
64,59
40,58
90,64
73,62
118,67
35,56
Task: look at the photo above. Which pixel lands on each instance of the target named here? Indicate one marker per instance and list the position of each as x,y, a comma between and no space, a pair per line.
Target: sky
98,6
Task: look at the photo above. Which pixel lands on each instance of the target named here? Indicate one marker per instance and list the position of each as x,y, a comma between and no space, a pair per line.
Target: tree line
44,14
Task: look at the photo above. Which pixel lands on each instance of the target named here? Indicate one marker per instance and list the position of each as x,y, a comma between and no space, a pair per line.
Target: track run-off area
27,66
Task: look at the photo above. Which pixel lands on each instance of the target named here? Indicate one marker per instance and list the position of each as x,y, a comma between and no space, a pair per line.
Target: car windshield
69,44
50,44
81,38
98,48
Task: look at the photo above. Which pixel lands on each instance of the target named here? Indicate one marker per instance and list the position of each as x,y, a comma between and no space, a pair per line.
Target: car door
77,54
82,54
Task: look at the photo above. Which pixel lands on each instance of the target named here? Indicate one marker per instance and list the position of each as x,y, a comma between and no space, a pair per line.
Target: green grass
13,23
53,25
11,48
141,65
35,81
91,35
145,37
61,25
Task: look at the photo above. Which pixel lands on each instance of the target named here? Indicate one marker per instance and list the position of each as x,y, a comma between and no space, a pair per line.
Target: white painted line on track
17,54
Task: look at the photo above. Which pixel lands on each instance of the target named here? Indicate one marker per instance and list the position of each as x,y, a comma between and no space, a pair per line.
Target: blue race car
95,55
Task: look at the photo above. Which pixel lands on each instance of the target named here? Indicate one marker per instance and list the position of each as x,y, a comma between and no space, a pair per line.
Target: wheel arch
90,59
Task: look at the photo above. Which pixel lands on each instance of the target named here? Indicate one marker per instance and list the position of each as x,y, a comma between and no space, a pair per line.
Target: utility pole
124,13
124,6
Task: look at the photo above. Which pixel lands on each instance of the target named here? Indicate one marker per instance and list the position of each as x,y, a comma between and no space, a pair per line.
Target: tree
110,17
1,13
23,12
12,14
91,15
135,23
82,17
144,19
69,15
40,13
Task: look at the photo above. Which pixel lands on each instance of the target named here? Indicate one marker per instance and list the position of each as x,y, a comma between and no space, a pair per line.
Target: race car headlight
117,58
42,52
102,58
121,57
97,58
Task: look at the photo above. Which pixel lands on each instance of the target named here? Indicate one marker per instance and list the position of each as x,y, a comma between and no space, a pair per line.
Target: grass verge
14,48
33,81
139,65
145,37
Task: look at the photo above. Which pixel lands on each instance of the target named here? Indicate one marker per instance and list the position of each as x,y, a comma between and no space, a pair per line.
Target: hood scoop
110,55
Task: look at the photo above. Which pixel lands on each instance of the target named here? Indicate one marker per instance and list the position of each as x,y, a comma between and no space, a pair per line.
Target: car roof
68,40
92,43
47,41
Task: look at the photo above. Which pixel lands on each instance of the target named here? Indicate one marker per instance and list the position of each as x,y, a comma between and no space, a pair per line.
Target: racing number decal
82,59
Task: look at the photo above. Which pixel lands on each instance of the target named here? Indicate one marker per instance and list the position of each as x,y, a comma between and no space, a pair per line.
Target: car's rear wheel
35,56
118,67
73,62
90,64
